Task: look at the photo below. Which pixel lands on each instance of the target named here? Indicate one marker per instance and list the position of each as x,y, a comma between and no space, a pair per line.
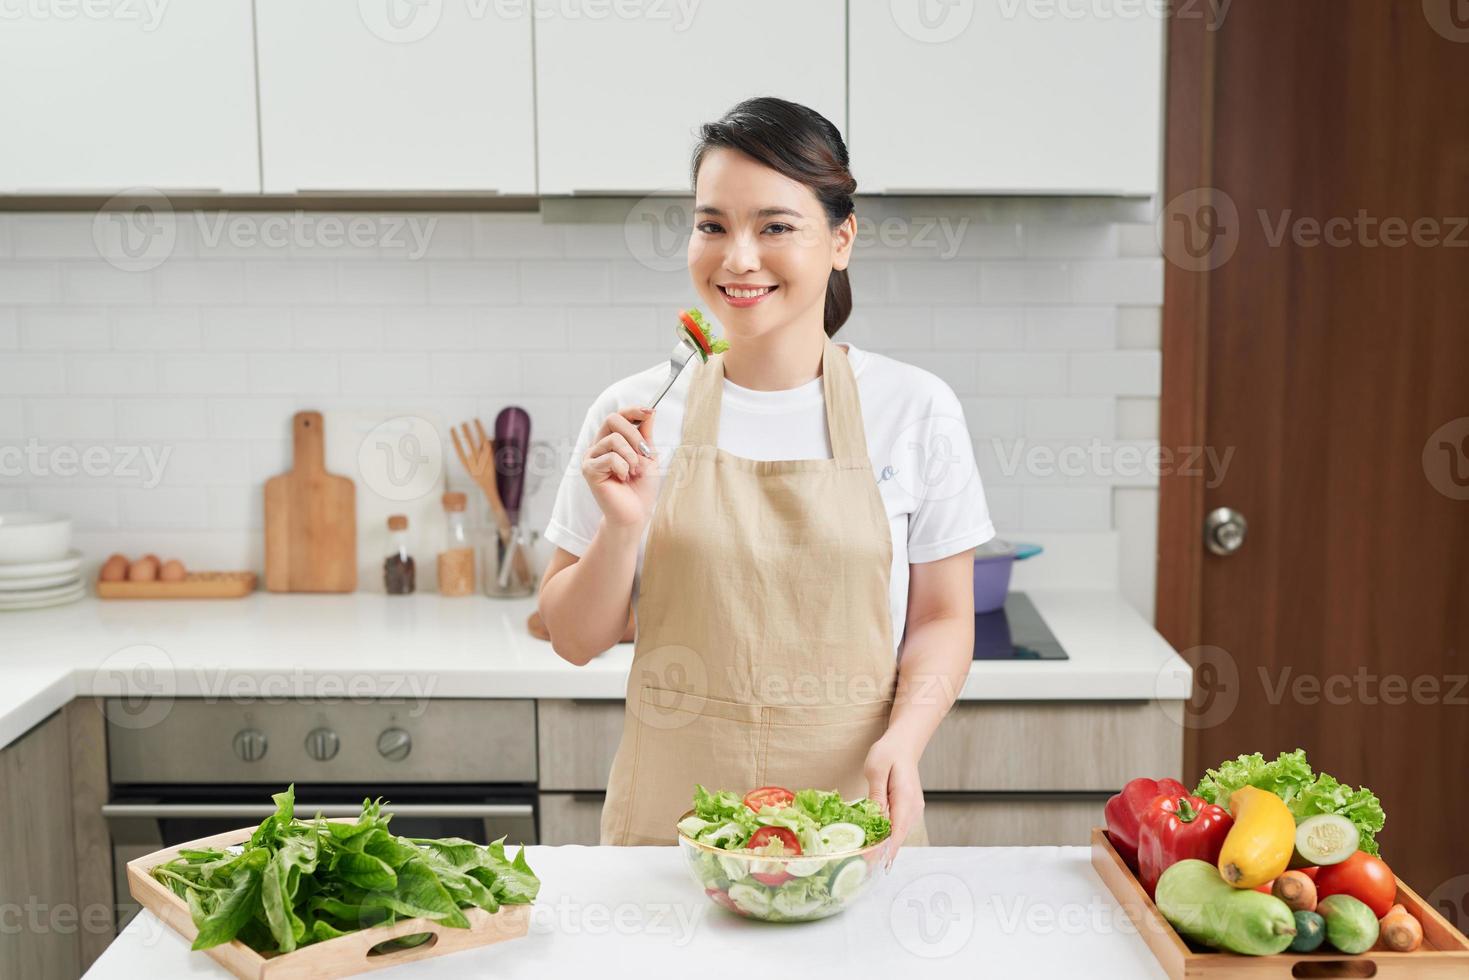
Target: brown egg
114,569
172,571
145,569
150,556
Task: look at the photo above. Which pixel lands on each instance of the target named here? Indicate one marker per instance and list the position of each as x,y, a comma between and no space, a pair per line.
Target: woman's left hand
892,782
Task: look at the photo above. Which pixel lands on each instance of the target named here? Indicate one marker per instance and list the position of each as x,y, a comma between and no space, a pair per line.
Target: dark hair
803,145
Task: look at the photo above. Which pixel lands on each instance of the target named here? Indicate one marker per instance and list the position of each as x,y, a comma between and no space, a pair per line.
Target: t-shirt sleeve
575,515
950,514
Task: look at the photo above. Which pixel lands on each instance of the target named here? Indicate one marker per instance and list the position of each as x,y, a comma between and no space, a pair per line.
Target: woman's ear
843,237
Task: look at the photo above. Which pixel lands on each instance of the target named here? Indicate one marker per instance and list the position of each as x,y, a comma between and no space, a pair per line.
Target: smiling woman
799,621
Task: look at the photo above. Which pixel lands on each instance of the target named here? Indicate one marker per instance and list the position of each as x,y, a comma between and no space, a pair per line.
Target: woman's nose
742,255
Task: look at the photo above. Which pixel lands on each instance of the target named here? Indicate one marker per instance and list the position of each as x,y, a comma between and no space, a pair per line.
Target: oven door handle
162,811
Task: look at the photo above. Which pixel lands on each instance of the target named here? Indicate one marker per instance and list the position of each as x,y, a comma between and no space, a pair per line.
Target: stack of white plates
38,566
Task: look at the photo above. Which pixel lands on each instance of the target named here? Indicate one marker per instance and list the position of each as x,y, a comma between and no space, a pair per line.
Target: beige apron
764,652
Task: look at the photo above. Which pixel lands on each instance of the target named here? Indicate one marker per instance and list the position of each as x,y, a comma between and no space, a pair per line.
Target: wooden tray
341,957
196,585
1444,953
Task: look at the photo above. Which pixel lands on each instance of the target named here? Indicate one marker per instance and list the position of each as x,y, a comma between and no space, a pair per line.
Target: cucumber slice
750,898
804,867
1326,838
734,868
847,881
691,825
839,837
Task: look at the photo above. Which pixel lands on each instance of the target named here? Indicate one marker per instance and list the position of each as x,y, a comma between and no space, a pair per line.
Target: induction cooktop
1015,632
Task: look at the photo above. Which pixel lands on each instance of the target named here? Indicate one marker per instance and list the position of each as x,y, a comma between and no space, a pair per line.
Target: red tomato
1363,877
768,796
722,897
1309,872
1267,887
788,843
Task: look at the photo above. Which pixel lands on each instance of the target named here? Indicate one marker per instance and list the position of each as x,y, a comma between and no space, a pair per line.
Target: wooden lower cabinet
570,818
39,914
1011,820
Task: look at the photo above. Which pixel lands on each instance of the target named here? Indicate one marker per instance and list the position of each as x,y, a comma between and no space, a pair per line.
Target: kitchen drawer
1051,745
577,740
1005,820
429,741
570,818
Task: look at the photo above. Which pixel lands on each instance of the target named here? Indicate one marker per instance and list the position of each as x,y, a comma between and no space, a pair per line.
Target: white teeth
747,293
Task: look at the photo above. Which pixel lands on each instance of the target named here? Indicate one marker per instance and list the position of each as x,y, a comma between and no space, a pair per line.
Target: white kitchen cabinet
1003,97
105,97
620,97
437,100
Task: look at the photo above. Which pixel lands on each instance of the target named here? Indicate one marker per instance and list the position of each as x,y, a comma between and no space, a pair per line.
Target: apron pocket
821,746
678,739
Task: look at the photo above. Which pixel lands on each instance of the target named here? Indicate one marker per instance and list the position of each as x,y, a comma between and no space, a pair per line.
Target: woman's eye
709,227
779,227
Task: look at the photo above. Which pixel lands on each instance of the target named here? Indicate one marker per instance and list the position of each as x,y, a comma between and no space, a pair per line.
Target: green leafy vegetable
726,822
697,318
295,882
1304,792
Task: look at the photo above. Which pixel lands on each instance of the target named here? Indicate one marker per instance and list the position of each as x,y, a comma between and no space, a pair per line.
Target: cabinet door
107,97
354,99
38,857
1011,820
620,96
1005,97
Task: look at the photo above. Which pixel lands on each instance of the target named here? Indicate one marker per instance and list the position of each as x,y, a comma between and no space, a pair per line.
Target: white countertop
365,645
636,912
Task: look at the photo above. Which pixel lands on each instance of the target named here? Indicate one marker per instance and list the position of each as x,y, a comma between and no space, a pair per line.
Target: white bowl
33,536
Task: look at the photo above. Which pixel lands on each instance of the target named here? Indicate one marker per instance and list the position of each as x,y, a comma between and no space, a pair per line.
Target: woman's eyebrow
763,212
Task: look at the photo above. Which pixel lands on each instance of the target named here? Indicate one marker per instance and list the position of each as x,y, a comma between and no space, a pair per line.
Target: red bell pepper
1126,808
1178,827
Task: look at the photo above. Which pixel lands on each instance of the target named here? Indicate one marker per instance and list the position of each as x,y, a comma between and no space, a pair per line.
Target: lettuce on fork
1305,793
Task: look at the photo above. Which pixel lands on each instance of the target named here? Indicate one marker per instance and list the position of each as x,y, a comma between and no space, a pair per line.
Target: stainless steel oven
445,768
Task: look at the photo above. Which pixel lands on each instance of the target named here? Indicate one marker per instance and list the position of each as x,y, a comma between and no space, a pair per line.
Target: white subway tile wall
196,356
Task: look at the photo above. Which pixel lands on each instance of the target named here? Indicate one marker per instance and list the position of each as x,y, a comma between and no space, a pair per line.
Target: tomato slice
693,326
722,897
776,796
788,842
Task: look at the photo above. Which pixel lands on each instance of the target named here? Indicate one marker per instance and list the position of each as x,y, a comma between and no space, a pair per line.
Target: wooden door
1317,329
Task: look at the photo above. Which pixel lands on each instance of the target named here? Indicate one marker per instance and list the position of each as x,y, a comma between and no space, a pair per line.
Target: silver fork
678,359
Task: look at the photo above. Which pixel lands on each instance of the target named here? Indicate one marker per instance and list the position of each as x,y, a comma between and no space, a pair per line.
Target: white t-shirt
922,458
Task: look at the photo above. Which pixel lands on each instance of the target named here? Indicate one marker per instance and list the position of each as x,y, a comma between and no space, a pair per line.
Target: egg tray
195,585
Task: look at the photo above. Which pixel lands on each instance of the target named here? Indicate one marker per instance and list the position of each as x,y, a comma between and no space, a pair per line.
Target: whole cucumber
1198,902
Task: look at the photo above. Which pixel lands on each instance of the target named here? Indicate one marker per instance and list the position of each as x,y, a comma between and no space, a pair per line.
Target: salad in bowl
780,856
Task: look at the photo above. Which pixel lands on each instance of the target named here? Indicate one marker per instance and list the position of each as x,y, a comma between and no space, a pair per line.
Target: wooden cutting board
310,519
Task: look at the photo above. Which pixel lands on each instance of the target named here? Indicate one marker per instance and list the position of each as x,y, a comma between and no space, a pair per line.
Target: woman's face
758,230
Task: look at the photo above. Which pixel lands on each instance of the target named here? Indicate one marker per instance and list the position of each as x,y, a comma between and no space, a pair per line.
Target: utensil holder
494,552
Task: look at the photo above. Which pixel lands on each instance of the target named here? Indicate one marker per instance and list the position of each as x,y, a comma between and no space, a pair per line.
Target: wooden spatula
310,520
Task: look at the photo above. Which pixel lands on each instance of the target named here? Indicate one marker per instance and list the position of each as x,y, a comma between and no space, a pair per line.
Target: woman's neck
776,360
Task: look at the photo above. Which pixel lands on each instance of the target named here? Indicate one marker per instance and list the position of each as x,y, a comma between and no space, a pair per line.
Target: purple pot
992,565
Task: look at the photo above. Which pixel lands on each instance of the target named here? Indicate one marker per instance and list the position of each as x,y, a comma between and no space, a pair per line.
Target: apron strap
839,389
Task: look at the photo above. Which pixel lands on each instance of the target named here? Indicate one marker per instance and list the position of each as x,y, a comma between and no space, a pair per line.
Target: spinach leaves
297,882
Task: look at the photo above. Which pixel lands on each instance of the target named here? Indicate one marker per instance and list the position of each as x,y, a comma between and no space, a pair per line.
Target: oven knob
394,744
322,744
250,744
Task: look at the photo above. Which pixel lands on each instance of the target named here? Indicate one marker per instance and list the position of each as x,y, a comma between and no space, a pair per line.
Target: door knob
1224,530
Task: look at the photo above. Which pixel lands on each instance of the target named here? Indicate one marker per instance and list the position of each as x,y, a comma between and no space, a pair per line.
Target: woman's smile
741,296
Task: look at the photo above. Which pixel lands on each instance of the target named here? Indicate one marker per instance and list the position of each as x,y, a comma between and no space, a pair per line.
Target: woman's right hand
624,482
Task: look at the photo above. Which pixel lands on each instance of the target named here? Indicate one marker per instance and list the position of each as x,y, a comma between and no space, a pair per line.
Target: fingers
906,795
597,469
623,423
617,444
877,784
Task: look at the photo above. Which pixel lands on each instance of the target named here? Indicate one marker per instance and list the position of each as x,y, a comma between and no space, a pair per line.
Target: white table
606,912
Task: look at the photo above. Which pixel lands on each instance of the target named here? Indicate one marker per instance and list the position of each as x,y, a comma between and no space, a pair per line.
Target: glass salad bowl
775,888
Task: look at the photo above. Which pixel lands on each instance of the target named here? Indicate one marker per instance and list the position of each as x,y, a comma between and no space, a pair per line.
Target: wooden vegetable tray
196,585
1444,953
341,957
